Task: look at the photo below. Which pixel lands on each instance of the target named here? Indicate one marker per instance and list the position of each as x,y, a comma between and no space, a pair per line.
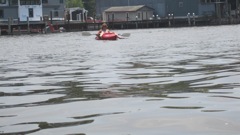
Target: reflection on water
169,81
182,107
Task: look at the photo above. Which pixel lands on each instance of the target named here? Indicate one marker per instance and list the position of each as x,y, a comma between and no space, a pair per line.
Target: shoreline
22,28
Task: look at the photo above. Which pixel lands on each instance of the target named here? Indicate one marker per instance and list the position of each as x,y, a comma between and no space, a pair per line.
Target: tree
90,6
74,3
87,4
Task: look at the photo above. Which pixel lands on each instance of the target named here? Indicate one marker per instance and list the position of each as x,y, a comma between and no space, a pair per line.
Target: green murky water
158,81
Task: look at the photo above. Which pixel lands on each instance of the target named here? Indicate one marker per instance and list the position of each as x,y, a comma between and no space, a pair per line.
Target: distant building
54,8
180,8
128,13
77,14
34,9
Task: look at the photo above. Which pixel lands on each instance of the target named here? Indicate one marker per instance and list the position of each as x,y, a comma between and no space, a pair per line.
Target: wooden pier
137,24
11,27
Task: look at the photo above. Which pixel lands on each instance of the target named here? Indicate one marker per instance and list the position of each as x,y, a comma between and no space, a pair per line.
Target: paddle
125,34
86,33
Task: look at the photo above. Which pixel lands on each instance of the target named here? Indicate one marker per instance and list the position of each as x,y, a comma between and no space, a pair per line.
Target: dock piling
194,20
169,20
189,19
9,26
51,17
28,25
19,27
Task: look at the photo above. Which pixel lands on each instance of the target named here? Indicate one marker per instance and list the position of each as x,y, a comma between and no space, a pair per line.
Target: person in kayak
103,30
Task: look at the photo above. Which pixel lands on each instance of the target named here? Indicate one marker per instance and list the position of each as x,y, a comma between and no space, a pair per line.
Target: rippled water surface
180,81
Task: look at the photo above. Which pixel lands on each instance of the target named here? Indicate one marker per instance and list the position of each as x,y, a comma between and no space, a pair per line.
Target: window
56,14
108,17
211,1
13,2
61,1
180,4
35,2
44,1
3,2
30,12
30,2
1,13
22,2
205,1
112,16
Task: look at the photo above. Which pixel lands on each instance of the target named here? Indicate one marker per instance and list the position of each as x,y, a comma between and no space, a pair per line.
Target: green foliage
74,3
87,4
90,6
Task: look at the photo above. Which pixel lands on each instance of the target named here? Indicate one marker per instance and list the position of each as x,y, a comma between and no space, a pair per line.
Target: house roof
126,8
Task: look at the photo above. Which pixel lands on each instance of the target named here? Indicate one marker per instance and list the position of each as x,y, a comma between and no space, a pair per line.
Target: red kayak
108,36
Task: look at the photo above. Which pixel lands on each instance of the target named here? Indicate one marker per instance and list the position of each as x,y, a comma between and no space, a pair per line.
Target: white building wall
122,16
206,9
23,12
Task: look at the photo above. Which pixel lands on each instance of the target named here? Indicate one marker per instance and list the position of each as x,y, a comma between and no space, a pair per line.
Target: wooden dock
7,28
137,24
17,28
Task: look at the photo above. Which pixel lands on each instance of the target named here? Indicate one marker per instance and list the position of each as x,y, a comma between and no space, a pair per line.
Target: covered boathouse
127,13
179,8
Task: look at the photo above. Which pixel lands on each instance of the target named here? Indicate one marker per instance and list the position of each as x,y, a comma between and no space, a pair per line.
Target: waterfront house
54,8
32,9
128,13
179,8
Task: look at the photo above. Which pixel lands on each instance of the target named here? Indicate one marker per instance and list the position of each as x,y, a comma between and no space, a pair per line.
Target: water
158,81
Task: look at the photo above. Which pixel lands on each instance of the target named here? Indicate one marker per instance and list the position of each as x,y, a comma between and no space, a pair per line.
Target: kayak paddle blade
125,35
85,33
